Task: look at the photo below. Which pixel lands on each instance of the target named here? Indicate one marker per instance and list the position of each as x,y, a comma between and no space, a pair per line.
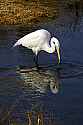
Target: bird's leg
36,61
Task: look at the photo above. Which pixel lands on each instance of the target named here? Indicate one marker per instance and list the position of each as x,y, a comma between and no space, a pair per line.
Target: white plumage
40,40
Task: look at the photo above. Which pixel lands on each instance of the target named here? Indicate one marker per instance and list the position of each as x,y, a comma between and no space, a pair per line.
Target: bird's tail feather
17,44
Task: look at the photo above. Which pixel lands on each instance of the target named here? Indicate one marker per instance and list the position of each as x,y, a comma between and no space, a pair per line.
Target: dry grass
28,12
24,12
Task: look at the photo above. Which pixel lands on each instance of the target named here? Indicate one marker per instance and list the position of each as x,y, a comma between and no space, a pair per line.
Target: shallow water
55,90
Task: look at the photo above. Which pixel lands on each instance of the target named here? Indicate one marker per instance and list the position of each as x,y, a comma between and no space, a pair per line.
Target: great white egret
40,40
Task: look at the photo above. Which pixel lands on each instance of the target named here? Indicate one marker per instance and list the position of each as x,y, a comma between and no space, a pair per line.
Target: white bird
40,40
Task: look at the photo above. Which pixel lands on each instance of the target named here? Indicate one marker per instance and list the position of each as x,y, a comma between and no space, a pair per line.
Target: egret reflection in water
40,81
34,84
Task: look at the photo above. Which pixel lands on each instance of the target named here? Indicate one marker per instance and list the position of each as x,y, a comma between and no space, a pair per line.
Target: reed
37,119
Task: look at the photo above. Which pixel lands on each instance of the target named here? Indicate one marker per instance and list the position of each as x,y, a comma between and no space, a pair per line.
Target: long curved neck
48,48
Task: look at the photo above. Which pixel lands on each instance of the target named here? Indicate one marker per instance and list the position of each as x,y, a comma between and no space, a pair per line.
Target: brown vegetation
24,12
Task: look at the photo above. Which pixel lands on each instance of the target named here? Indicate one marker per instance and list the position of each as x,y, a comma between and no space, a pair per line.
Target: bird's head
55,43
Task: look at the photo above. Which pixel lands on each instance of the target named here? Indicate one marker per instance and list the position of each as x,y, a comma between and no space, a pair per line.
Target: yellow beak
58,53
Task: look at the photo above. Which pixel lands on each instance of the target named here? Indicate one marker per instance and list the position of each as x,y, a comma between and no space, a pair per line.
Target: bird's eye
54,42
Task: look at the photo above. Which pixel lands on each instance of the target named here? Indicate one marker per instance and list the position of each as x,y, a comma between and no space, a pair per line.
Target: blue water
17,98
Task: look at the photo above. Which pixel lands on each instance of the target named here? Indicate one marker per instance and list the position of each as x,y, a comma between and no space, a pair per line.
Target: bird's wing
30,40
35,39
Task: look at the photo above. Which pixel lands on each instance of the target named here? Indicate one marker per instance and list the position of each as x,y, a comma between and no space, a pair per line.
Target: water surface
55,90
